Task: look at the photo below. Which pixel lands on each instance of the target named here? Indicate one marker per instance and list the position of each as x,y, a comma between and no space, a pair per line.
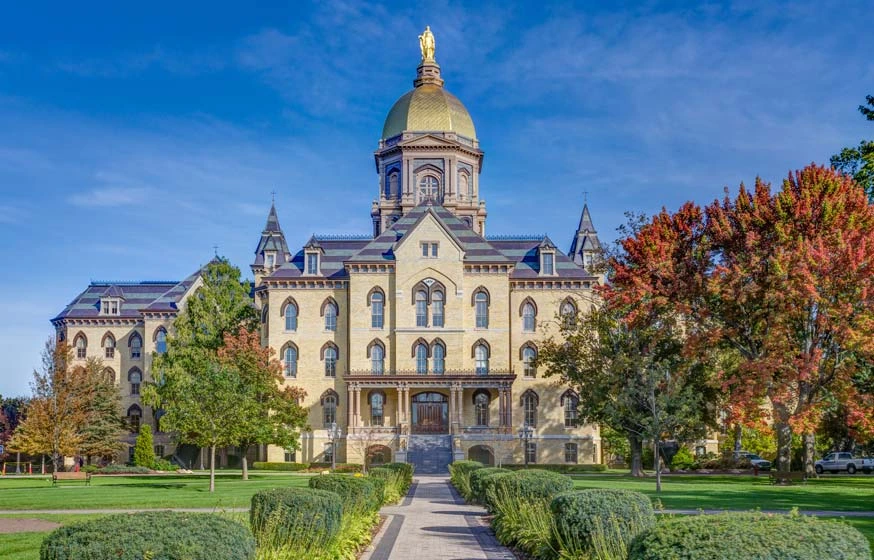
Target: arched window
568,313
570,402
437,308
161,341
134,415
135,377
481,400
421,309
136,346
377,360
421,358
481,305
529,315
330,400
463,182
528,356
109,346
330,356
81,344
291,316
289,359
330,316
530,400
481,355
429,188
109,375
439,354
393,185
377,310
377,406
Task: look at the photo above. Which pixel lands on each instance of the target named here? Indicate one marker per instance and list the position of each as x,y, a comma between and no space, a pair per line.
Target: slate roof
272,239
519,250
137,297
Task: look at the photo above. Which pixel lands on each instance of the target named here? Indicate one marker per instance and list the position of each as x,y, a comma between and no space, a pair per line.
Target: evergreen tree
144,449
104,427
859,161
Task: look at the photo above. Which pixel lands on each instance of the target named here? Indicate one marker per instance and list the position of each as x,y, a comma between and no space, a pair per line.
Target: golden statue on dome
426,43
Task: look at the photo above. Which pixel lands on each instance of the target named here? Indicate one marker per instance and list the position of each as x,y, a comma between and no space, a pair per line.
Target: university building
417,340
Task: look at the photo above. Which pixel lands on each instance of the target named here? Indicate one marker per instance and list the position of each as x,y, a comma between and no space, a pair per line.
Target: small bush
380,486
291,467
405,469
358,494
89,468
164,465
565,469
585,519
477,480
349,468
144,448
395,484
162,534
537,484
303,517
683,460
526,525
750,535
122,469
459,475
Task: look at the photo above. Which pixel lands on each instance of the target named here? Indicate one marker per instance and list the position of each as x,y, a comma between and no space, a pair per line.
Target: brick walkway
435,523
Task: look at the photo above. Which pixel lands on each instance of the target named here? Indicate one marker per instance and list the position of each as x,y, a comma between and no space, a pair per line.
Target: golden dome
428,108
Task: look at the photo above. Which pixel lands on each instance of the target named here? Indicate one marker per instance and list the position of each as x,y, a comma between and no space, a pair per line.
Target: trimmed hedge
459,475
122,469
358,494
160,534
619,515
405,470
293,467
380,486
536,484
566,469
341,467
750,535
477,482
292,515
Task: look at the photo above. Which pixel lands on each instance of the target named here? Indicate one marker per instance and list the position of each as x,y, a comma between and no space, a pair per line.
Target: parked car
755,460
844,461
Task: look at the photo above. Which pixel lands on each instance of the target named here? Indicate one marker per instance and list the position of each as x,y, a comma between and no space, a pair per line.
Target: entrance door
430,413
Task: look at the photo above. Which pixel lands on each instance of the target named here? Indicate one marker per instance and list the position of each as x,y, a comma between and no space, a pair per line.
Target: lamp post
334,433
525,434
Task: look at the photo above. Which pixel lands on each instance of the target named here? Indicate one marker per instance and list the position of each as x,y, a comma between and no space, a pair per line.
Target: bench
789,477
71,476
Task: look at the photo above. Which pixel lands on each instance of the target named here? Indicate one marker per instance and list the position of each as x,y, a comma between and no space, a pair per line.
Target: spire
272,250
428,71
585,246
272,220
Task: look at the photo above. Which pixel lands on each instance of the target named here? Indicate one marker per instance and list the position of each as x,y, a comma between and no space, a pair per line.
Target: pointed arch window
568,314
377,359
136,346
377,310
481,356
439,358
331,316
529,353
330,401
481,401
530,401
289,361
421,309
393,191
481,307
377,408
429,188
529,317
161,341
437,308
570,403
331,355
134,417
135,377
421,358
109,346
291,316
81,345
109,375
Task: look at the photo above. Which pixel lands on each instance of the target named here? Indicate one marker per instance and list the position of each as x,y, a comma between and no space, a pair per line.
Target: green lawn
122,492
744,492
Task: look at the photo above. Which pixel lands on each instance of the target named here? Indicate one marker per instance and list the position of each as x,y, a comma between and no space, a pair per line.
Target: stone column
502,415
358,421
509,406
452,424
350,413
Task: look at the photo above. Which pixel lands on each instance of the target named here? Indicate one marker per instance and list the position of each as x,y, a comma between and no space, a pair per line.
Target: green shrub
459,475
293,467
524,524
750,535
90,468
477,479
379,486
683,460
303,517
161,534
405,469
585,519
123,469
537,484
349,468
144,448
566,469
358,494
164,465
395,484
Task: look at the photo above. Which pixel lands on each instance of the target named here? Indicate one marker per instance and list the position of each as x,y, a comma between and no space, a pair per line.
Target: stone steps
430,454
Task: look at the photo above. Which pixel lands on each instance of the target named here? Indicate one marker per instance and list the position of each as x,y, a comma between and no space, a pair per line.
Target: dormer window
312,262
269,260
110,306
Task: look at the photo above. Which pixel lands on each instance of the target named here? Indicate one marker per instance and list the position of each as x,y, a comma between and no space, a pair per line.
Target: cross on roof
273,195
585,197
215,249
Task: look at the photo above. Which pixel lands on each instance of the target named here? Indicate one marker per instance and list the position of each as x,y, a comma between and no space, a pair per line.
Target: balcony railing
492,372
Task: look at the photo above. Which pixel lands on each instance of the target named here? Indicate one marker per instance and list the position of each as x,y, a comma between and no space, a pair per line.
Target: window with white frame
421,358
81,347
528,356
269,260
377,360
290,361
291,317
571,404
421,308
439,358
430,249
571,453
548,263
109,347
377,310
330,362
481,307
481,356
529,408
529,317
437,308
312,263
429,188
377,405
330,316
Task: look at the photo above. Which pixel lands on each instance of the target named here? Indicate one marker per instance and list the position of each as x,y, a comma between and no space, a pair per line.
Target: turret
585,247
272,251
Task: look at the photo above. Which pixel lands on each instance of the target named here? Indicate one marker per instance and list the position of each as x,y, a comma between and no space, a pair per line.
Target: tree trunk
244,461
636,455
18,462
212,468
784,446
809,442
738,438
657,465
43,463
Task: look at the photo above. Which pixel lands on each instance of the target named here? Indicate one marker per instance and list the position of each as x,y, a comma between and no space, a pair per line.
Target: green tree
202,397
859,161
104,426
144,449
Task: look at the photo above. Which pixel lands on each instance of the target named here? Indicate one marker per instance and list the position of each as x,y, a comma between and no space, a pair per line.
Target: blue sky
135,136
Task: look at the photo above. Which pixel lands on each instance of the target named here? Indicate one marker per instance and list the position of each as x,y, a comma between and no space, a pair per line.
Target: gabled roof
114,292
138,296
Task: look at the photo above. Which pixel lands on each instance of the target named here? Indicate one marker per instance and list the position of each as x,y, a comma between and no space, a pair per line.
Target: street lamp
525,434
334,433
